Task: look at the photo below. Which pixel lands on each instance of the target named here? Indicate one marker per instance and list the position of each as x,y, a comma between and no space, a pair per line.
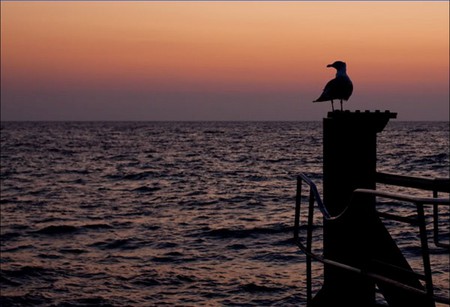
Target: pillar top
360,114
376,120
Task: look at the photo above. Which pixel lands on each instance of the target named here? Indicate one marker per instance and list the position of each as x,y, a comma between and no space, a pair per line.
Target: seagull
340,87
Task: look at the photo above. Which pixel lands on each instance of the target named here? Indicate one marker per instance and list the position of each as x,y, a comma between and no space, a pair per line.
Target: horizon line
190,120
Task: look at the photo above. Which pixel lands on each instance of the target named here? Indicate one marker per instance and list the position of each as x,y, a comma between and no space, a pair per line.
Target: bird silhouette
340,88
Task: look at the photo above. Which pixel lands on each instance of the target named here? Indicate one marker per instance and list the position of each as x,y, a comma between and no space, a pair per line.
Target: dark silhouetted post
349,163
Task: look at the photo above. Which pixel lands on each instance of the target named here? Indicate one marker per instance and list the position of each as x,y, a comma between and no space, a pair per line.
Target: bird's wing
339,88
345,87
328,91
330,87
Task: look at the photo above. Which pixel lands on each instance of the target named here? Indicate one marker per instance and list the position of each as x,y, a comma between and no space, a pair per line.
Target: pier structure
349,163
358,251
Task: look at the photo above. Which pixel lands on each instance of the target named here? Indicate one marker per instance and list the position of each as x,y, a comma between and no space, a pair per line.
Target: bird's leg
341,106
332,105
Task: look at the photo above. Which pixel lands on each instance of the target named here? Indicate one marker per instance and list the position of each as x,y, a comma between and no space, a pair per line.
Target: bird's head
339,65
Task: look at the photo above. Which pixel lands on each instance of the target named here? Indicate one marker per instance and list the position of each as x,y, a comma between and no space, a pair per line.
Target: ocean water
174,213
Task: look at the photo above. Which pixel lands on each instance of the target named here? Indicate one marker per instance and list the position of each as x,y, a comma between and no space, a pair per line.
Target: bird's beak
330,65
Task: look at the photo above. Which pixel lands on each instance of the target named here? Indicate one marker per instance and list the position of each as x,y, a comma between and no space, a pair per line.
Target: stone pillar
349,163
358,237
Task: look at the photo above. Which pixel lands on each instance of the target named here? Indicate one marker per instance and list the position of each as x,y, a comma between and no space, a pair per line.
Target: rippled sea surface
172,213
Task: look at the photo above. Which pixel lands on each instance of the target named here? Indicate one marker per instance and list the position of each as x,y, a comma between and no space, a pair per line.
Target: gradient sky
220,60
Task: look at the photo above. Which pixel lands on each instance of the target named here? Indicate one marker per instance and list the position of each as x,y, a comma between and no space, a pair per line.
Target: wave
122,244
133,176
255,288
87,301
430,159
75,251
276,257
239,233
146,190
57,230
8,282
213,132
237,246
146,281
24,300
8,236
27,271
69,229
97,226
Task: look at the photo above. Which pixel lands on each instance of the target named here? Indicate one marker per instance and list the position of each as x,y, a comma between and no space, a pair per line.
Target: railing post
309,233
425,253
298,200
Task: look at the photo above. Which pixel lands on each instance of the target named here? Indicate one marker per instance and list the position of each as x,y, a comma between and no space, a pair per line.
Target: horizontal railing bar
408,198
435,184
368,274
443,245
359,271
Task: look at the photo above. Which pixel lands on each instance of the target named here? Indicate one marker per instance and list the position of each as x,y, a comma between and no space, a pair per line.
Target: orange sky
278,48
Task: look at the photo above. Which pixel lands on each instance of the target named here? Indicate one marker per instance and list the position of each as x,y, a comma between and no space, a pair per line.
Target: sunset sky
220,60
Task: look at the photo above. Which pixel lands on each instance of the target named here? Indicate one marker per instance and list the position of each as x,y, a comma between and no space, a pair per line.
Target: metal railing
435,185
419,202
